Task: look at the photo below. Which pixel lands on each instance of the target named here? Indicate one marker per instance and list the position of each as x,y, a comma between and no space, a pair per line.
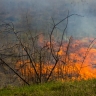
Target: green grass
71,88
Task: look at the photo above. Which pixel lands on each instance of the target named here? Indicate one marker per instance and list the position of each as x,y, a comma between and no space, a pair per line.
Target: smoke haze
43,10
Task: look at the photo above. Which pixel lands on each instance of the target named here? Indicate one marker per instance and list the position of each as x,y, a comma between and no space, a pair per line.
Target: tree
37,58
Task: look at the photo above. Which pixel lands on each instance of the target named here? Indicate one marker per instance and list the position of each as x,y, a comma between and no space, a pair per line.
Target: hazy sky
77,25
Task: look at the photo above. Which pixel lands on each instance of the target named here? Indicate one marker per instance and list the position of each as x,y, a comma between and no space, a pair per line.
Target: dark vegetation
24,46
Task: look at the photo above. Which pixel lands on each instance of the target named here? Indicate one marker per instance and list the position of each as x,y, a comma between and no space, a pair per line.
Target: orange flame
77,65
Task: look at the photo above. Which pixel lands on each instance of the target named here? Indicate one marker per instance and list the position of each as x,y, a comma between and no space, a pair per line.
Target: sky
82,26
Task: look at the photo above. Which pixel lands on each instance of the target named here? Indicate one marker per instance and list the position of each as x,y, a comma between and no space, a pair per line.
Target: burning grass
76,62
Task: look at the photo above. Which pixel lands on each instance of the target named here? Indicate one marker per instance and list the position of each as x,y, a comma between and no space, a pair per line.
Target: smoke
58,9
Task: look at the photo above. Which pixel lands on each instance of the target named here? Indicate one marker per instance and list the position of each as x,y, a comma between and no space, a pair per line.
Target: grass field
71,88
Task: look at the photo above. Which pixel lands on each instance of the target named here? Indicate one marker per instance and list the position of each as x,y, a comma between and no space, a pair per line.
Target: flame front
79,63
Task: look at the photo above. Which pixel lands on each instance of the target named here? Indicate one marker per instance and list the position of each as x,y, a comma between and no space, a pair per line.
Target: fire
79,63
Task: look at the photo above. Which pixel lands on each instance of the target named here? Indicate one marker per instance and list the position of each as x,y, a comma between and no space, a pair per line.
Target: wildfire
79,63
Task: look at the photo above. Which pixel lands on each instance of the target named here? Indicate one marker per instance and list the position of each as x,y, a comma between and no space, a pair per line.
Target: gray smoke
58,9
